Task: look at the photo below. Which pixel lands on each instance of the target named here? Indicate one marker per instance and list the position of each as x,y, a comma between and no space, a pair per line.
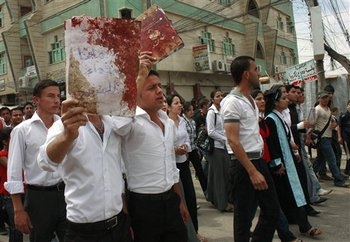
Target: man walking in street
252,183
43,214
326,152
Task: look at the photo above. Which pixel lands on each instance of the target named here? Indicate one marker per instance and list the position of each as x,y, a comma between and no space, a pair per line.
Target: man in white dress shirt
44,211
88,148
156,206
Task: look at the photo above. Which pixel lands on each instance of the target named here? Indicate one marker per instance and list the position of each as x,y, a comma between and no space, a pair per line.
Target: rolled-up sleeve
14,184
44,162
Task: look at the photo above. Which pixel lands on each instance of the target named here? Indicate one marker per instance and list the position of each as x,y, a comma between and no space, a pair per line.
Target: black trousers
189,192
196,159
155,219
94,233
245,199
47,212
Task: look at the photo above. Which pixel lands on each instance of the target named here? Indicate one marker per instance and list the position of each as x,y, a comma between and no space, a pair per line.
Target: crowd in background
292,176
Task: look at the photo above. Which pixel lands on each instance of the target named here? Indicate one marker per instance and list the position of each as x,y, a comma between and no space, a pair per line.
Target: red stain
122,36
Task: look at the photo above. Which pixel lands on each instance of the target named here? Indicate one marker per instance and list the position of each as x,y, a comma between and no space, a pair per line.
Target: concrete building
32,40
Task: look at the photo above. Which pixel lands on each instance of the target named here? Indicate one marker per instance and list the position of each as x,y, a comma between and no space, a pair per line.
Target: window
2,63
252,9
259,51
280,23
1,18
225,2
125,13
206,39
57,53
24,10
228,47
293,57
27,61
283,58
290,25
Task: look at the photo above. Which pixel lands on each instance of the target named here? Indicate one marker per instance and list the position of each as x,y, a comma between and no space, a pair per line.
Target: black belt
154,197
96,226
58,187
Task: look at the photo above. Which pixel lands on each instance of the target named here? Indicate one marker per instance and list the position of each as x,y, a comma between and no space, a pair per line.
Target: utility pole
319,58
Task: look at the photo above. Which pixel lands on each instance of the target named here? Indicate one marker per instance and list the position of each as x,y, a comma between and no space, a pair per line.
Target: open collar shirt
26,139
92,170
215,127
237,108
182,137
149,154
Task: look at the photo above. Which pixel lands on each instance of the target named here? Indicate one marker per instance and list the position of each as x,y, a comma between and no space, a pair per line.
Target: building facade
32,41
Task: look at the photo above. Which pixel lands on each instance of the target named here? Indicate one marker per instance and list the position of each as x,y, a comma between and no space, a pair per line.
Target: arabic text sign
201,58
302,72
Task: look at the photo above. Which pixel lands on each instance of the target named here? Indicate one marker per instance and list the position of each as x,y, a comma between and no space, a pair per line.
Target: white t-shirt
237,108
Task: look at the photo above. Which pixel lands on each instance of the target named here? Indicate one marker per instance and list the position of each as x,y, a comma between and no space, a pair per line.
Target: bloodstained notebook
157,33
102,63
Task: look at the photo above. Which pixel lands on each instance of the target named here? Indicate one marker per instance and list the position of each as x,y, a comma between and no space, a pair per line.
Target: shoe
344,175
325,177
324,192
320,200
313,232
198,206
342,185
310,211
201,238
229,208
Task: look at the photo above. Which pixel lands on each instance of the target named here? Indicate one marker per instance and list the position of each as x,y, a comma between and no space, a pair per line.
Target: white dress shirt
285,115
216,128
91,170
149,154
182,138
26,139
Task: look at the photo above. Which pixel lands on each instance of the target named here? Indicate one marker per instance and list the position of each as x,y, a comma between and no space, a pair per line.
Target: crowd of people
71,176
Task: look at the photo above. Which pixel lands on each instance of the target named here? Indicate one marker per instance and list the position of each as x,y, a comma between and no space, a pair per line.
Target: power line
209,22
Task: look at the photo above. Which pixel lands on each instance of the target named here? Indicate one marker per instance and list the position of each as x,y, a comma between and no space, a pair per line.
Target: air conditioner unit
218,66
277,69
23,81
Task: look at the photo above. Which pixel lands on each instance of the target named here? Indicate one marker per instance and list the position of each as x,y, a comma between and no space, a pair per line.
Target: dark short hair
4,135
212,94
153,73
170,98
17,108
27,103
329,88
289,87
5,108
238,66
254,93
41,85
203,101
187,106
